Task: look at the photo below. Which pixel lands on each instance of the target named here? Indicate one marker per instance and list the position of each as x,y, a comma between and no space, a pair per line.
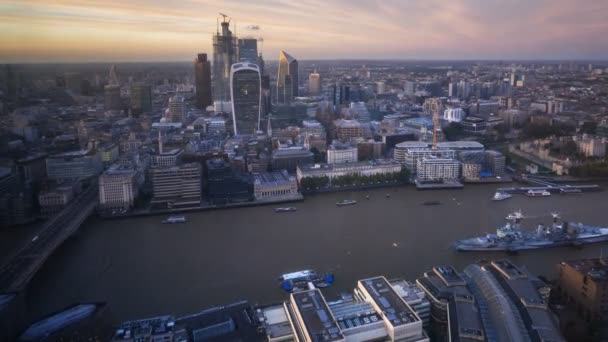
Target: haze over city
306,171
85,31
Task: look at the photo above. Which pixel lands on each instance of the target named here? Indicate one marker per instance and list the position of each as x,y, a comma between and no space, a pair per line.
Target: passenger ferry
298,281
175,219
501,196
538,193
284,209
346,202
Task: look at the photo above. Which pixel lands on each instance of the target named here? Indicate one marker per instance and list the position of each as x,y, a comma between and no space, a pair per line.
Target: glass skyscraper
248,50
202,73
287,78
246,96
224,55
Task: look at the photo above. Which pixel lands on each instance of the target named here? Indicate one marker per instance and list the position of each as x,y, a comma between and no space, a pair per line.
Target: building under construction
224,55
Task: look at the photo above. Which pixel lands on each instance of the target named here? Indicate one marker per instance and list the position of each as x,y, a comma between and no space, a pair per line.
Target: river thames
141,267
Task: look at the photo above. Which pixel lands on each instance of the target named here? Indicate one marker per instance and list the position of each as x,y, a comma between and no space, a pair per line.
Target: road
19,269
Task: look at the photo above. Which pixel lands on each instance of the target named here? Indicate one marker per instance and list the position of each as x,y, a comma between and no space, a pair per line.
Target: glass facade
246,98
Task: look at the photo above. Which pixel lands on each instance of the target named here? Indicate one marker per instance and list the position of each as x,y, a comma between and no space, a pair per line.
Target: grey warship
511,237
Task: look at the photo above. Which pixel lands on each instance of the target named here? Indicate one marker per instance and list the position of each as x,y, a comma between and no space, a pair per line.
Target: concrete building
434,168
73,165
453,114
583,284
410,152
338,153
471,170
314,84
369,168
591,146
141,98
176,111
53,200
176,186
474,125
348,129
399,318
167,158
118,188
278,184
112,97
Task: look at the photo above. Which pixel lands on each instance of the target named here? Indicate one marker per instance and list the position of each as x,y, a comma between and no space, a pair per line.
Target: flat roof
460,144
413,144
276,177
392,305
317,317
449,275
352,314
593,267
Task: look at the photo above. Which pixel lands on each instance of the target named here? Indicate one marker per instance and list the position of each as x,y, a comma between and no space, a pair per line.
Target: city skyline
87,31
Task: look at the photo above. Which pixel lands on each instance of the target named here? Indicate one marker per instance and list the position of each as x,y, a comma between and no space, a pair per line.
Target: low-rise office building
431,169
176,186
118,188
81,164
369,168
278,184
338,153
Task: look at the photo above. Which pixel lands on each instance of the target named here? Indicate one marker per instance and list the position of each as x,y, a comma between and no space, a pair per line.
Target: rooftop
595,268
316,316
277,177
392,305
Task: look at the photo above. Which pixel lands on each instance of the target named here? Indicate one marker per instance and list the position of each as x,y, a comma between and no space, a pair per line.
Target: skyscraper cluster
237,81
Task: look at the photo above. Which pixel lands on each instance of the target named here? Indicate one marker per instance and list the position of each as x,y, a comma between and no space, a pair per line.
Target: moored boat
297,281
284,209
175,219
346,202
511,237
501,196
538,193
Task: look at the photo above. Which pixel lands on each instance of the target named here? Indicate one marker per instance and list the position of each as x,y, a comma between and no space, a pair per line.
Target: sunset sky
162,30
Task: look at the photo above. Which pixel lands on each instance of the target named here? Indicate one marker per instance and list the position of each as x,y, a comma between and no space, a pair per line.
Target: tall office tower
141,98
340,94
287,79
246,96
248,50
266,97
73,82
224,55
176,111
314,84
262,65
10,85
452,89
113,76
202,73
112,97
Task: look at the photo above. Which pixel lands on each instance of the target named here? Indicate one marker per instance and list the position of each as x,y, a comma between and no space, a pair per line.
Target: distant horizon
553,61
43,31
